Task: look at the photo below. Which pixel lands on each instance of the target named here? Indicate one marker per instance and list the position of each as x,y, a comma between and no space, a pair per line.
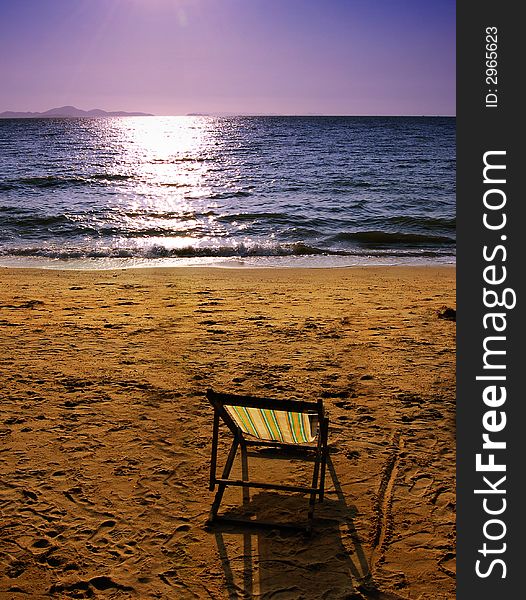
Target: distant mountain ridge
70,112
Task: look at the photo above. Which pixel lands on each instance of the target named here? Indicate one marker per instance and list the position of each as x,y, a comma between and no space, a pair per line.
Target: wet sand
105,431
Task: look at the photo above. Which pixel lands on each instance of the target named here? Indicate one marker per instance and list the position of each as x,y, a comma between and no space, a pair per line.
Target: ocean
227,191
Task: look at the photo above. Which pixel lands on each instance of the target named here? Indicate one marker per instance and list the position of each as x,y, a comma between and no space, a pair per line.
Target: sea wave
58,181
227,195
385,237
155,251
116,223
271,217
422,221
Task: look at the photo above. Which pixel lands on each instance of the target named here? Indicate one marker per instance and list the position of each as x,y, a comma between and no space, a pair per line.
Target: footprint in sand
103,528
15,569
447,564
421,485
41,543
100,582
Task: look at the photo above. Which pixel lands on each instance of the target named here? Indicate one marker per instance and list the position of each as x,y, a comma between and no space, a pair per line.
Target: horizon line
236,114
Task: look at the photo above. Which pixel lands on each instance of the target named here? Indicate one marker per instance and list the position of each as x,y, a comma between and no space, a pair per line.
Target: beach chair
265,422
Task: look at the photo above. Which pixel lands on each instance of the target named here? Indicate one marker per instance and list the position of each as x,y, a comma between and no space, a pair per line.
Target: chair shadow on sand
262,562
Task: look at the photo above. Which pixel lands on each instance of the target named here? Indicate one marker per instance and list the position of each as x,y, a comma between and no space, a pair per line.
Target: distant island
69,112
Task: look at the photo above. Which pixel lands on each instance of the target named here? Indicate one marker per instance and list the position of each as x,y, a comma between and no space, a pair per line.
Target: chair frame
319,446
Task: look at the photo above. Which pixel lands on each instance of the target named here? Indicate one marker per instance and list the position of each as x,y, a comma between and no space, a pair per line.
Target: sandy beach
105,431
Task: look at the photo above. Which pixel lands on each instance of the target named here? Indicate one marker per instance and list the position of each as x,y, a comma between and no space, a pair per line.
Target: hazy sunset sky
352,57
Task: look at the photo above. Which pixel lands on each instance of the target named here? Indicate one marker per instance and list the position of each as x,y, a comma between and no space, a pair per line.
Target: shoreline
293,262
105,481
207,270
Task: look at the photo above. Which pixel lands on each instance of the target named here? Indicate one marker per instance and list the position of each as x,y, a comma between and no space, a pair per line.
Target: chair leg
244,472
312,499
325,451
222,486
213,459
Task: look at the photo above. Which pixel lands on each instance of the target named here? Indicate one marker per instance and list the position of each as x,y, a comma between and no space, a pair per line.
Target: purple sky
347,57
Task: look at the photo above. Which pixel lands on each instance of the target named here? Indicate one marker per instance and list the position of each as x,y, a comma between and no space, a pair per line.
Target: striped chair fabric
275,425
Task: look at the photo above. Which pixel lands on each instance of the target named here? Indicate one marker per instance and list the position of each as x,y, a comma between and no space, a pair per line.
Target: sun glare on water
169,158
169,153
